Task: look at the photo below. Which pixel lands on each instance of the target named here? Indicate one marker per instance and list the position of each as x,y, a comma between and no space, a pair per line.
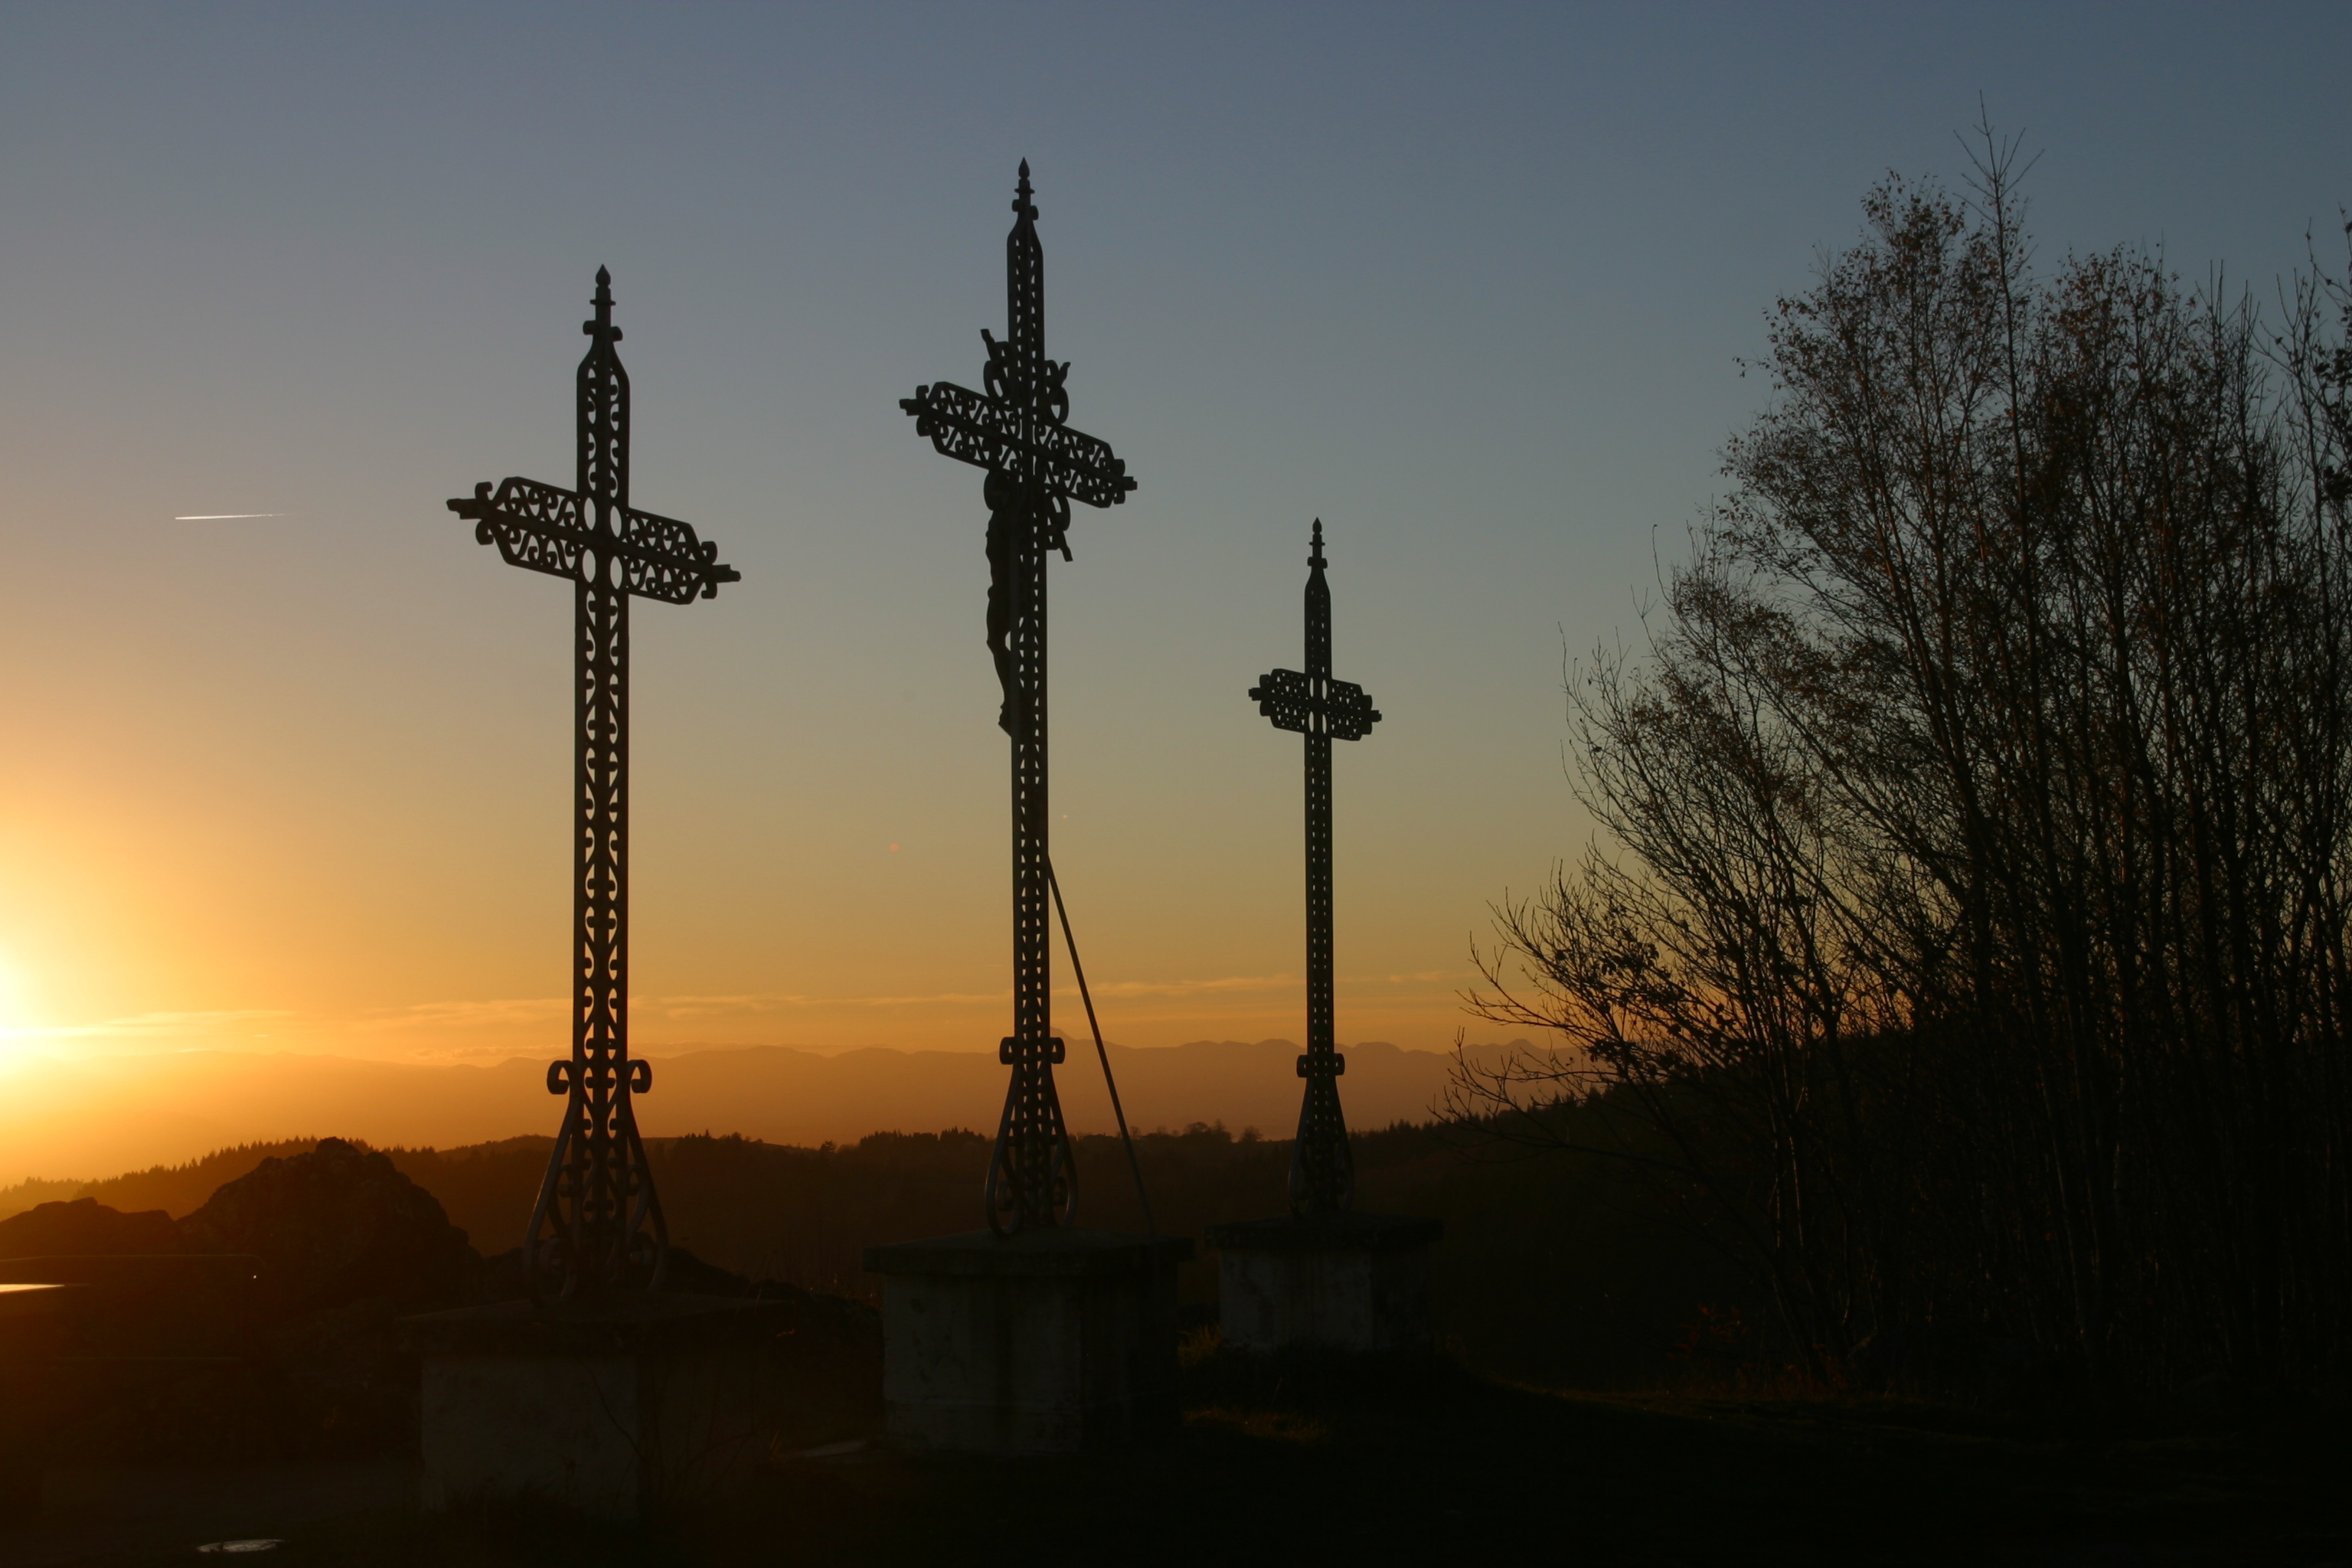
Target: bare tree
1973,925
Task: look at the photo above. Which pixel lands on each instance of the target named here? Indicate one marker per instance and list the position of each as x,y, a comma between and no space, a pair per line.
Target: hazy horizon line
494,1055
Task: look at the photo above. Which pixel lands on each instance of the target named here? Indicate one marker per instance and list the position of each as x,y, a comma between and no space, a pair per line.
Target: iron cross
598,1222
1018,430
1322,1170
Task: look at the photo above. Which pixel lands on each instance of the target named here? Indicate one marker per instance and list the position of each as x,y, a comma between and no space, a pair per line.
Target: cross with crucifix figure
1017,429
1322,1171
598,1222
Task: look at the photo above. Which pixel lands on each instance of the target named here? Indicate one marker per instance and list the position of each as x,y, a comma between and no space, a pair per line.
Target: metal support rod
1017,429
1127,1138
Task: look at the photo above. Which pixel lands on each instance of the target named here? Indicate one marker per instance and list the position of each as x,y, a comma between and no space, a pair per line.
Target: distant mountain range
93,1117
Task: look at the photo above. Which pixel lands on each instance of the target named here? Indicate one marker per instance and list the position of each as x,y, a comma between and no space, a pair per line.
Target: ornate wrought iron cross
1018,430
1322,1171
598,1222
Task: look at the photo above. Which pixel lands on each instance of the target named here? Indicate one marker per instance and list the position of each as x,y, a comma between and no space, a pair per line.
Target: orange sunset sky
1470,287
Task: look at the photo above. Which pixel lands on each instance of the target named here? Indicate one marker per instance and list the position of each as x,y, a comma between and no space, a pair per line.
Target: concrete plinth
1047,1341
1352,1283
609,1405
34,1327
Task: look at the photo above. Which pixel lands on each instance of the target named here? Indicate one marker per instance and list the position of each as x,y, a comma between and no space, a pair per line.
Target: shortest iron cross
1322,1170
596,1203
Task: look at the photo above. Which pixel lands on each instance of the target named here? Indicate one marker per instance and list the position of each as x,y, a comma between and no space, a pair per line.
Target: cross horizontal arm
1289,698
1285,697
539,527
1348,710
977,429
666,562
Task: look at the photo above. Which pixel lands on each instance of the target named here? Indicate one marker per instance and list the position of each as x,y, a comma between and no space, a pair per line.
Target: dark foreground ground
1421,1465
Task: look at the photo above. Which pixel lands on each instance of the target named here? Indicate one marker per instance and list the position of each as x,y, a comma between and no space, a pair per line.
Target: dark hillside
1559,1271
183,1189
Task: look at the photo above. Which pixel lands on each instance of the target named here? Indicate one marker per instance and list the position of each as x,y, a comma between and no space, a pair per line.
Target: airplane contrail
227,516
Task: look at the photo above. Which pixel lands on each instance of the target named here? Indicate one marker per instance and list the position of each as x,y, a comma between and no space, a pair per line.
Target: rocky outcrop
83,1227
335,1227
268,1323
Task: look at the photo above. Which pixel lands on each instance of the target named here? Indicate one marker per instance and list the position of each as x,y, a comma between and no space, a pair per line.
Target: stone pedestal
32,1318
1047,1341
1354,1282
35,1327
609,1405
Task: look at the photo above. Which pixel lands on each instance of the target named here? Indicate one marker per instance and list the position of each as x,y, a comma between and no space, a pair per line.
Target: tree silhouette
1973,925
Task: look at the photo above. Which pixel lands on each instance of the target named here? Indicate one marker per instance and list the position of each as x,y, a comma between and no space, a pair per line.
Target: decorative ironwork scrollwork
1017,429
1313,704
597,1222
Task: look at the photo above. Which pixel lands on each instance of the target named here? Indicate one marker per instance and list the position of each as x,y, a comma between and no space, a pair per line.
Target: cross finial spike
1316,558
601,327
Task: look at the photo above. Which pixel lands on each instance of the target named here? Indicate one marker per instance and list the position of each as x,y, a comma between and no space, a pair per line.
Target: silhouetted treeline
1968,944
1561,1272
1573,1272
175,1189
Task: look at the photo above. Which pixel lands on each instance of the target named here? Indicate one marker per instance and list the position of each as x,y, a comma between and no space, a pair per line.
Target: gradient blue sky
1469,282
